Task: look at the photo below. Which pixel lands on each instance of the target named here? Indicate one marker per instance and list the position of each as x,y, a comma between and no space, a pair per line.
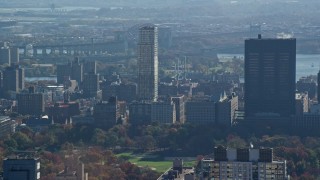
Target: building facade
163,112
90,67
226,109
5,57
30,103
200,111
13,78
21,168
7,126
318,88
302,103
62,112
243,164
307,84
148,63
270,70
179,102
140,113
63,73
14,55
309,121
77,70
91,85
72,70
124,91
107,114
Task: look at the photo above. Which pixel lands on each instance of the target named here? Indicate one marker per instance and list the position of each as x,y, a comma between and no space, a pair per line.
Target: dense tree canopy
97,146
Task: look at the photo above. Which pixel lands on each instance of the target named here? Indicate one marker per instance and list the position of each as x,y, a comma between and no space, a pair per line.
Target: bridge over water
110,47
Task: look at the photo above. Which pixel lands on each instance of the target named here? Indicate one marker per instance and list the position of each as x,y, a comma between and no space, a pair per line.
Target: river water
33,79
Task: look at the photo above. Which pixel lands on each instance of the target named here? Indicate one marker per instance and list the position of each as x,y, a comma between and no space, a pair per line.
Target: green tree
111,139
23,141
11,143
146,142
99,137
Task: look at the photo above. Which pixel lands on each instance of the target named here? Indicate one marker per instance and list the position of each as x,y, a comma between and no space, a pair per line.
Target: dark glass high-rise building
270,68
13,78
148,63
318,92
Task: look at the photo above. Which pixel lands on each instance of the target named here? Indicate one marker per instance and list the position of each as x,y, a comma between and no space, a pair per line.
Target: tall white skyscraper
148,63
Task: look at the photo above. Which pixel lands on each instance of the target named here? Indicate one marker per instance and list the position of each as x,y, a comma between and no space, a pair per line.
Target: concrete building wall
232,154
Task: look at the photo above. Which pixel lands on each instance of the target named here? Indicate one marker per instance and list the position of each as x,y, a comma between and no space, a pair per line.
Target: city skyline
134,89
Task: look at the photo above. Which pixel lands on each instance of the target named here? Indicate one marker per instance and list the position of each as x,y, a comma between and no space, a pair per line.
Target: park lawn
160,166
153,163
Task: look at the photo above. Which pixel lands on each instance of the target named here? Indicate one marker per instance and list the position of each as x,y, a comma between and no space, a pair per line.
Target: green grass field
150,161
